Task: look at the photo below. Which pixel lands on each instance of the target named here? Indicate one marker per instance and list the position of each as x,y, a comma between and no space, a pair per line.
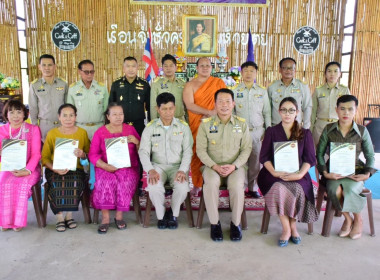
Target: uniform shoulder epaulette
207,119
150,123
141,79
156,79
240,119
34,81
73,84
260,86
272,83
235,86
305,83
183,122
62,79
320,86
343,85
118,78
101,84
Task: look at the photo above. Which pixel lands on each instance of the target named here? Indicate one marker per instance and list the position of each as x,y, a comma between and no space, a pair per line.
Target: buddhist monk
198,96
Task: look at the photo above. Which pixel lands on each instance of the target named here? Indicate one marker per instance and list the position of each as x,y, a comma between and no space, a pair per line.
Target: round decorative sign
306,40
65,35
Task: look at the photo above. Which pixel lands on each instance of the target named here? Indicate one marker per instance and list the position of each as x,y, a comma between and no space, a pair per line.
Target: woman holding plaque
288,195
65,186
15,186
114,187
344,188
324,100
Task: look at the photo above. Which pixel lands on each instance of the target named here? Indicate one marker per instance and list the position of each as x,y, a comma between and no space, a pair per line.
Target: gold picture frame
225,3
199,35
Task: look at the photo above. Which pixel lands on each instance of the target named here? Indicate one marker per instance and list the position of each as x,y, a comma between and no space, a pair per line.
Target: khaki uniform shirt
219,143
172,146
161,85
253,105
324,102
44,102
299,91
91,103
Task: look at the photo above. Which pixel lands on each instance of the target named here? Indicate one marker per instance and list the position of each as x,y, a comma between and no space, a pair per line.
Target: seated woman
288,195
114,188
65,186
15,186
344,191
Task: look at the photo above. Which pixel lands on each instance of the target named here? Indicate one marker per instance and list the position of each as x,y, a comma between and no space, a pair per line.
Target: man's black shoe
235,232
253,194
216,232
173,223
162,224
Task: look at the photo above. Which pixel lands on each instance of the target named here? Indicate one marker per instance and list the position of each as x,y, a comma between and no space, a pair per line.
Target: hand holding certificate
64,157
342,158
286,156
13,154
118,152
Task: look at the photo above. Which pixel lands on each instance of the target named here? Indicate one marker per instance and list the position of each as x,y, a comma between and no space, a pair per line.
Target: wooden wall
278,22
365,72
9,57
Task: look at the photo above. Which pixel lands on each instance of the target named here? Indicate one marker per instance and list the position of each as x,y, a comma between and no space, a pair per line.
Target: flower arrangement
10,83
235,72
229,81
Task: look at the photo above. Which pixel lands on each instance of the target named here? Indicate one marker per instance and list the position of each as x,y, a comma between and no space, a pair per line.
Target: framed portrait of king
199,35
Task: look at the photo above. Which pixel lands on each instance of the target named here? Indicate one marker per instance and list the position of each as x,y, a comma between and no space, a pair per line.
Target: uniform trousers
235,186
253,160
157,191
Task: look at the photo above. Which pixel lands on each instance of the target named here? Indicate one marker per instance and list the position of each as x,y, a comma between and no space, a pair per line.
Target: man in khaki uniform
168,83
46,95
290,86
223,146
90,97
165,152
252,104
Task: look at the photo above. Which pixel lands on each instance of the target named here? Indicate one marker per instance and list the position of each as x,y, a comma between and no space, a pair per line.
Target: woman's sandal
71,224
60,226
103,228
120,224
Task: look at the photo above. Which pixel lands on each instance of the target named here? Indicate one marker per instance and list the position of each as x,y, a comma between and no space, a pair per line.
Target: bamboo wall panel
278,22
365,71
9,58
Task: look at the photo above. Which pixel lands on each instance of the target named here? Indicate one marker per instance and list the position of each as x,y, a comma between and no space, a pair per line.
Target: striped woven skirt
65,192
288,199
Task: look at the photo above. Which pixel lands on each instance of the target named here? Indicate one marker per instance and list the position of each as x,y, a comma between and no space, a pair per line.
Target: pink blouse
32,135
98,145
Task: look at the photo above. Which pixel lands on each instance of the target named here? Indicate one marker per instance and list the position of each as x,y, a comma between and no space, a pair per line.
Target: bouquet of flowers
235,71
10,83
229,81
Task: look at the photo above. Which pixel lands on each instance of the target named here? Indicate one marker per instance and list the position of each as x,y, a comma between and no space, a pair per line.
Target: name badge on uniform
78,93
236,129
140,88
240,95
296,90
97,92
121,85
40,90
258,96
156,135
59,88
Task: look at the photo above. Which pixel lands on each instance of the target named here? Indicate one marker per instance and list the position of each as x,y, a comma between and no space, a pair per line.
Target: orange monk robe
203,97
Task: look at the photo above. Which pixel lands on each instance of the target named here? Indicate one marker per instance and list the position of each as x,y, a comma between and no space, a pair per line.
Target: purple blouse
98,145
306,153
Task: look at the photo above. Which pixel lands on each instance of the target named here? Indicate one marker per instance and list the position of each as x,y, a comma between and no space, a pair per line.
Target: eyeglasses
291,111
88,72
288,68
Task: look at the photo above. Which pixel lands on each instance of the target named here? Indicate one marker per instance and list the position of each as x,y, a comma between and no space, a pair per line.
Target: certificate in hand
13,154
118,152
286,156
64,157
342,158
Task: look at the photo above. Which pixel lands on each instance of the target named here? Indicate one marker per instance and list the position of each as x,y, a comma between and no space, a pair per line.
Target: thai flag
251,51
151,68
